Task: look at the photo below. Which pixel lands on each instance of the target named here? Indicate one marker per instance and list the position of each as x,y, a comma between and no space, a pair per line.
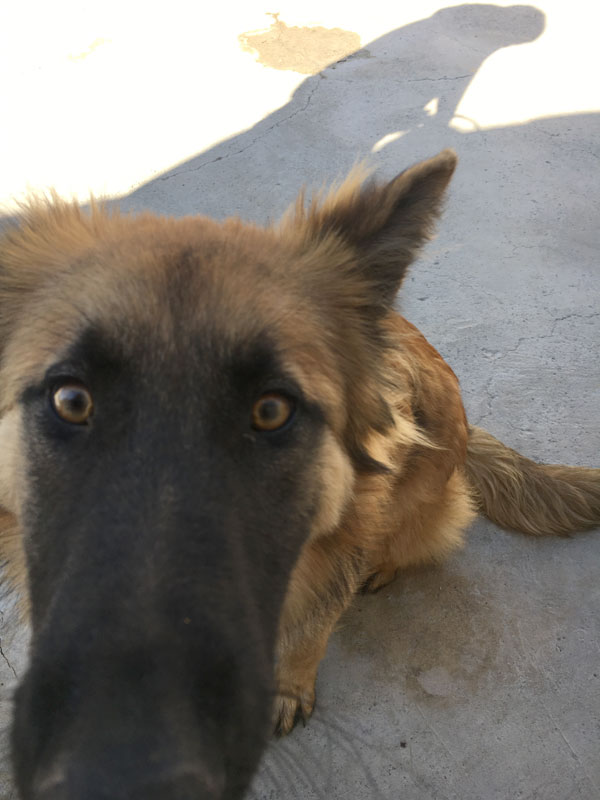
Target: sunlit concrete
477,680
102,101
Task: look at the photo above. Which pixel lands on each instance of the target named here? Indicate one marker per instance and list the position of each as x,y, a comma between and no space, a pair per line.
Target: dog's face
183,405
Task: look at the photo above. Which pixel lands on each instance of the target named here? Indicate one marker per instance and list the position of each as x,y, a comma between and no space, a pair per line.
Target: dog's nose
187,782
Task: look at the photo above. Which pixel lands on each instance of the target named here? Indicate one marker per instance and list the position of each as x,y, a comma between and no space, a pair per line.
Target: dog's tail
519,494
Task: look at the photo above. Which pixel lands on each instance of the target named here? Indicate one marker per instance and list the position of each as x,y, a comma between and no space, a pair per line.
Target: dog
212,435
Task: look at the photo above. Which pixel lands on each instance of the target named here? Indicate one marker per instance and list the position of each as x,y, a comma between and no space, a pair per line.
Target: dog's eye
72,402
271,412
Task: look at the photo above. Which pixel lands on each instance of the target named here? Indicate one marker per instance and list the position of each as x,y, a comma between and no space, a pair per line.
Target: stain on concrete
432,630
306,50
437,682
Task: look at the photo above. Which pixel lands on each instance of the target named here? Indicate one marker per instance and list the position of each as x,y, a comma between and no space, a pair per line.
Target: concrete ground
480,679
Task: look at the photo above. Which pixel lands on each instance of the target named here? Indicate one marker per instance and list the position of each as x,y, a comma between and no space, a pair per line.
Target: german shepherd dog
211,436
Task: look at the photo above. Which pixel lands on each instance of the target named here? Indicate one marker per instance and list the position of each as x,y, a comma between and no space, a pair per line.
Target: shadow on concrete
340,114
403,88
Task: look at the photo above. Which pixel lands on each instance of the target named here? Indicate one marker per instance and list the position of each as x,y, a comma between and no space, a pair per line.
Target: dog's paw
378,580
293,707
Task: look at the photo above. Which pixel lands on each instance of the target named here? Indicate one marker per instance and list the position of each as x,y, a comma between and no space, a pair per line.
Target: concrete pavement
480,679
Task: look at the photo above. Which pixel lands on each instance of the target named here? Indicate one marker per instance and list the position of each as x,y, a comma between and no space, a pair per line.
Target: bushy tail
517,493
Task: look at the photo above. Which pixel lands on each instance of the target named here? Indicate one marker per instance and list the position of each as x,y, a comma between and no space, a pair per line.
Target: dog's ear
43,239
384,223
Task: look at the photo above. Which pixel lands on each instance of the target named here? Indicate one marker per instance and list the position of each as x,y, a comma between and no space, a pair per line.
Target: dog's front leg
322,585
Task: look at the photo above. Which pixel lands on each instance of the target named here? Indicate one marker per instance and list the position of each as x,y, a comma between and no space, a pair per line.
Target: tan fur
400,471
11,469
517,493
337,473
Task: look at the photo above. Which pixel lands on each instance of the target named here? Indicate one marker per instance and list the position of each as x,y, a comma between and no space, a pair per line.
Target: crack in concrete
516,248
252,143
572,147
402,81
487,388
443,78
490,399
549,335
570,316
7,661
435,732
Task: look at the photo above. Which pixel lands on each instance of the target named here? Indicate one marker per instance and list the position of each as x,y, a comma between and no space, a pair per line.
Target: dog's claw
291,709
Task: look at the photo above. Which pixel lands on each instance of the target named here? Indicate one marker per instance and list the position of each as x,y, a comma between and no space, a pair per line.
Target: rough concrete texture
479,679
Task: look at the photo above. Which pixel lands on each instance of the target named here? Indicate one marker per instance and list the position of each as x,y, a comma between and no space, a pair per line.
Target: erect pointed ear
387,223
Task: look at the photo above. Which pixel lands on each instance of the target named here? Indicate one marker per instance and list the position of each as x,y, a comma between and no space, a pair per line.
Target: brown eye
73,403
271,411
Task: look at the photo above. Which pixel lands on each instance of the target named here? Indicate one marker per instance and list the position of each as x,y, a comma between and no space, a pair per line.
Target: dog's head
183,405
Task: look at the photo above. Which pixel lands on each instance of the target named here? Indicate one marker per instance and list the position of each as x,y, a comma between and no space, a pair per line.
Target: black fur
185,521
